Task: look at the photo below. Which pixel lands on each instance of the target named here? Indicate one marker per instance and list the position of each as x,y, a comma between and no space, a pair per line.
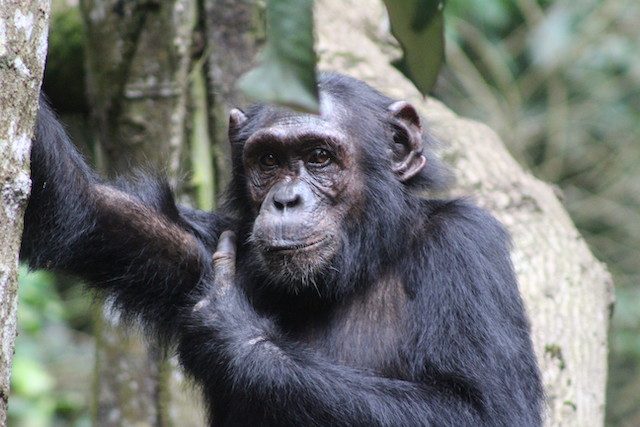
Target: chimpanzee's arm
471,361
129,239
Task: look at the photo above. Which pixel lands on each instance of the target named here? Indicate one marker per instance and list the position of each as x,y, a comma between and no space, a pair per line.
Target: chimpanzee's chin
297,269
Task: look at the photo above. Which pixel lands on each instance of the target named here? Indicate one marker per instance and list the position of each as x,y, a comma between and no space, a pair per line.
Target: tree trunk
568,293
138,63
23,46
234,31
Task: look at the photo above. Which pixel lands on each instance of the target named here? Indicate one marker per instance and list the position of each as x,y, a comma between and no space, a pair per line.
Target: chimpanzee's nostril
285,199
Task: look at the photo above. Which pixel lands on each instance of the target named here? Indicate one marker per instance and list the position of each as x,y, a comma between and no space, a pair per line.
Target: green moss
350,59
555,352
6,62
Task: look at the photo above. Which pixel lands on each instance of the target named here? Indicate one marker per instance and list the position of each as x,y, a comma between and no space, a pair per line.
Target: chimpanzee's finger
224,259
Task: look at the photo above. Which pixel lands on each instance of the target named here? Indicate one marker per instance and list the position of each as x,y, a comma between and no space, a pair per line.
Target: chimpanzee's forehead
290,127
286,120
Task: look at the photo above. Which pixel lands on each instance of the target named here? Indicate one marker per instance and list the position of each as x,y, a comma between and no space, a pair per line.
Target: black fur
419,322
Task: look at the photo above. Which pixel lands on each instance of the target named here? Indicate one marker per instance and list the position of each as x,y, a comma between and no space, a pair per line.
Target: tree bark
568,292
23,47
138,63
234,31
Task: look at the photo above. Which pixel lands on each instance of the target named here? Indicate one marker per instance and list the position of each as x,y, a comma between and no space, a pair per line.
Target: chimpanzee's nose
287,196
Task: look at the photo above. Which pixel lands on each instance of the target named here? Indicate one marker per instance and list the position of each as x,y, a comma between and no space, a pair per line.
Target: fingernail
227,242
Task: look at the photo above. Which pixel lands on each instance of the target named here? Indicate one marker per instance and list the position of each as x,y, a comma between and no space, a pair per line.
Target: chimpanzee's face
307,177
303,183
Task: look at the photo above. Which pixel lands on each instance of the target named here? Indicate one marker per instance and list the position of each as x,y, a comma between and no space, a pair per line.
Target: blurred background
558,80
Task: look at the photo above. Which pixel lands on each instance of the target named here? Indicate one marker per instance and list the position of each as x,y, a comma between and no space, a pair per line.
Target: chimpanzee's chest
371,331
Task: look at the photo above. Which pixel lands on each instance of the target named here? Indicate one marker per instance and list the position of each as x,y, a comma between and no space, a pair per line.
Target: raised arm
128,239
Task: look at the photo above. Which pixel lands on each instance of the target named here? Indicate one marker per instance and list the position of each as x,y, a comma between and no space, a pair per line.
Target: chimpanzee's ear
407,151
236,119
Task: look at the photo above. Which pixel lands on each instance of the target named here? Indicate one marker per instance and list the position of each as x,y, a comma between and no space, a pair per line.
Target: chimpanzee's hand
224,262
224,269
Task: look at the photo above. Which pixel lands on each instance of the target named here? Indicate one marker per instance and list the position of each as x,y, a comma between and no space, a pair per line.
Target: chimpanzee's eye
320,157
269,160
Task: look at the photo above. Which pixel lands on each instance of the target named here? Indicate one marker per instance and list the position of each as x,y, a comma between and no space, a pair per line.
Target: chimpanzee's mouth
289,246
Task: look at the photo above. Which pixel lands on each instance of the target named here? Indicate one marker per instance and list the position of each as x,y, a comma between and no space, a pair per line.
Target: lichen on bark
23,46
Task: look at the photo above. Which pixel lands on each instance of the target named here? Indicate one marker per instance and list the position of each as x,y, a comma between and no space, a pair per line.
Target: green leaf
418,25
286,74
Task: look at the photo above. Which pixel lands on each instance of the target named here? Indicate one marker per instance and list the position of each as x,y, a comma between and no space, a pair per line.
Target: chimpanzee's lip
287,245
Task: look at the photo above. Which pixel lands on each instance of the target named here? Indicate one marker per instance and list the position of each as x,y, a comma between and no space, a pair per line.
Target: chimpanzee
327,290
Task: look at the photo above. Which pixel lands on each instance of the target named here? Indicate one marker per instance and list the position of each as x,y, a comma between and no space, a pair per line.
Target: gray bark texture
568,293
234,31
23,47
138,63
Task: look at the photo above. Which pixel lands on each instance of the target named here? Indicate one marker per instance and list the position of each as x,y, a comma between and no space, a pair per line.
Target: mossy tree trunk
23,45
139,56
161,80
234,31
